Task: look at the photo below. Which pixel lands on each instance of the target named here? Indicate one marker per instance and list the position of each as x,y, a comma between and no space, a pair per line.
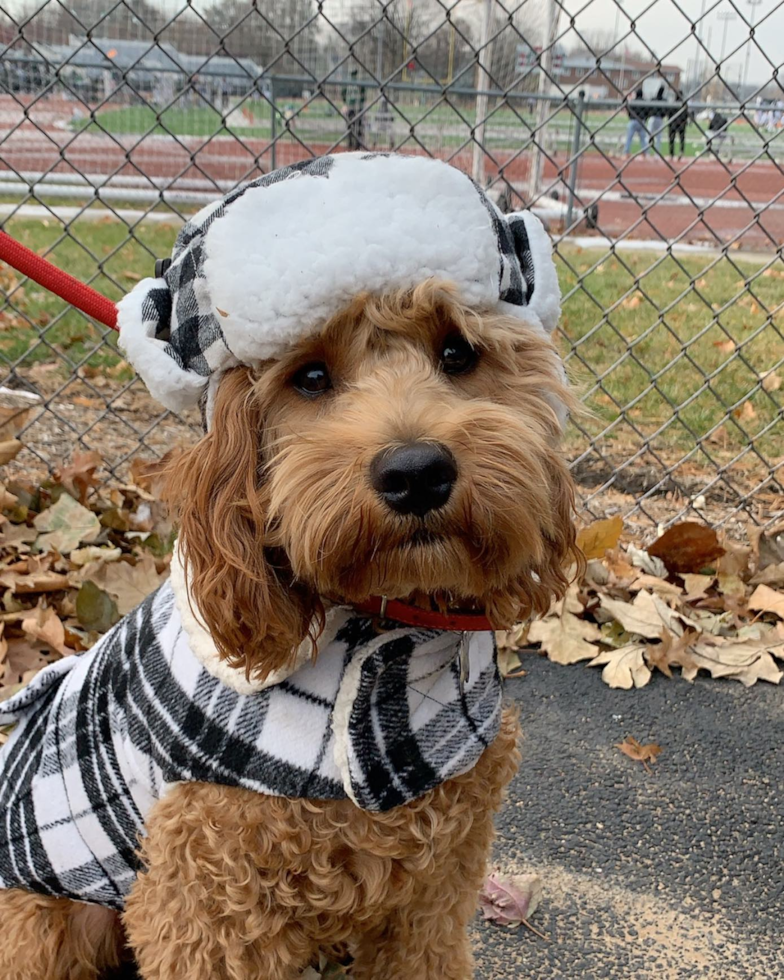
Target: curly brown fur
240,886
276,510
277,519
54,939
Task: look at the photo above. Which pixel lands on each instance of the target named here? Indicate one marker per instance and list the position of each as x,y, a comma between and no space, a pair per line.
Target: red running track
705,201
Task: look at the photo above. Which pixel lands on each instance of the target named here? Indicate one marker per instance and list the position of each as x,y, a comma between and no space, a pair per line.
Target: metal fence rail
647,134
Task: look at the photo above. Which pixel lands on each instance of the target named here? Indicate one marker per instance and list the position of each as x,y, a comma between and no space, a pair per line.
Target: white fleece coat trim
205,651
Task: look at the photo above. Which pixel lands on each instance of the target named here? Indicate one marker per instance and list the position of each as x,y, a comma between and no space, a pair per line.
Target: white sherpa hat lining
267,266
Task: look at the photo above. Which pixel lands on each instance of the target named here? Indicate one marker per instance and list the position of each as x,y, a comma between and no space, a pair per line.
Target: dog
288,750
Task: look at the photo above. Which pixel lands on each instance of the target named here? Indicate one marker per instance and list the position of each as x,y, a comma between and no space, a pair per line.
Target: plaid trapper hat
270,263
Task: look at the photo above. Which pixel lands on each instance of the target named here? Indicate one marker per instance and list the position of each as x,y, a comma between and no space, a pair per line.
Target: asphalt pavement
676,873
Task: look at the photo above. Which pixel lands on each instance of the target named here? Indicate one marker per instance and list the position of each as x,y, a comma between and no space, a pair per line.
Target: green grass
195,121
320,122
625,345
638,316
100,249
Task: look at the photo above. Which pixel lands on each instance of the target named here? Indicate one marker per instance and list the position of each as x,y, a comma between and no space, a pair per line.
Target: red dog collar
402,612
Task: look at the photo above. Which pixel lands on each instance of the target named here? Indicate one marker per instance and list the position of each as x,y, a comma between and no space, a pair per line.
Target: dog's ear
241,590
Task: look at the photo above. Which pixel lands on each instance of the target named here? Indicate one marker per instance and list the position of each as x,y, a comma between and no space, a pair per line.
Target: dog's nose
416,478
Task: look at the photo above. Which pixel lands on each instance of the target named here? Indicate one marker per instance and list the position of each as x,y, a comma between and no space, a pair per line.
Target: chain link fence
647,134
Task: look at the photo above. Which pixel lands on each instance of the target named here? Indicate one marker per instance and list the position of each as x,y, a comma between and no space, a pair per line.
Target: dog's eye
457,355
312,379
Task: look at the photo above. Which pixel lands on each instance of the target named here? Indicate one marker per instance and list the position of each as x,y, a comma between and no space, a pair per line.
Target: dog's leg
428,937
202,908
56,939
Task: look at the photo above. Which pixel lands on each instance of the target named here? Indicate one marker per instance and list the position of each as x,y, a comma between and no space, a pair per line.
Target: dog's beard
497,543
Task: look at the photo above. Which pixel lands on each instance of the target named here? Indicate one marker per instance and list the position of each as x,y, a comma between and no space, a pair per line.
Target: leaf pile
689,602
73,560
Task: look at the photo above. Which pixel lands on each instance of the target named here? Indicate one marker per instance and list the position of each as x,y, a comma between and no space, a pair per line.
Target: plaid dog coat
377,718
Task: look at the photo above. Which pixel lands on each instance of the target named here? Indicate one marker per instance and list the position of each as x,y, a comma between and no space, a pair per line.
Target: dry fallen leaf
687,547
625,667
510,664
64,525
510,900
696,586
640,753
657,585
148,473
770,381
731,569
768,545
646,615
79,476
765,599
673,651
16,406
725,346
22,661
565,638
641,559
746,662
23,584
745,413
9,449
91,553
128,584
620,572
45,625
600,536
17,536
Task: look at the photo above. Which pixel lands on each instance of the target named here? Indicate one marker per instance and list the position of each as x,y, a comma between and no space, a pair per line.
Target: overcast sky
665,25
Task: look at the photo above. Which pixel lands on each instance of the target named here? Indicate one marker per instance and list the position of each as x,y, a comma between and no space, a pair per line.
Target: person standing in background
383,125
679,119
354,102
656,124
636,125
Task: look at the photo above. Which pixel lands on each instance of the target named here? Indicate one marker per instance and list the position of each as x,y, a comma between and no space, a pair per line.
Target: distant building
97,67
606,78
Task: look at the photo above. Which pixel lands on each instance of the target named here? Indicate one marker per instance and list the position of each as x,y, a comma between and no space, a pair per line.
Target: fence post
578,132
482,84
273,126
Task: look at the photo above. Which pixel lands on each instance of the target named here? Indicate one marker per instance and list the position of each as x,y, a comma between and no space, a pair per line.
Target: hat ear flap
144,321
534,252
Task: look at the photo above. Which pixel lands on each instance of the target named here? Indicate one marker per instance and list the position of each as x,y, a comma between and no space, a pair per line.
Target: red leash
58,282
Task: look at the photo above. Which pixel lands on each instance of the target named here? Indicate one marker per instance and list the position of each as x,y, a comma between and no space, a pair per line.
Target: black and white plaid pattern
188,322
378,718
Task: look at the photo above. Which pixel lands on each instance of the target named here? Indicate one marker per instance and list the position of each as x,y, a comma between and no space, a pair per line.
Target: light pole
752,4
482,84
618,5
543,106
701,53
726,16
